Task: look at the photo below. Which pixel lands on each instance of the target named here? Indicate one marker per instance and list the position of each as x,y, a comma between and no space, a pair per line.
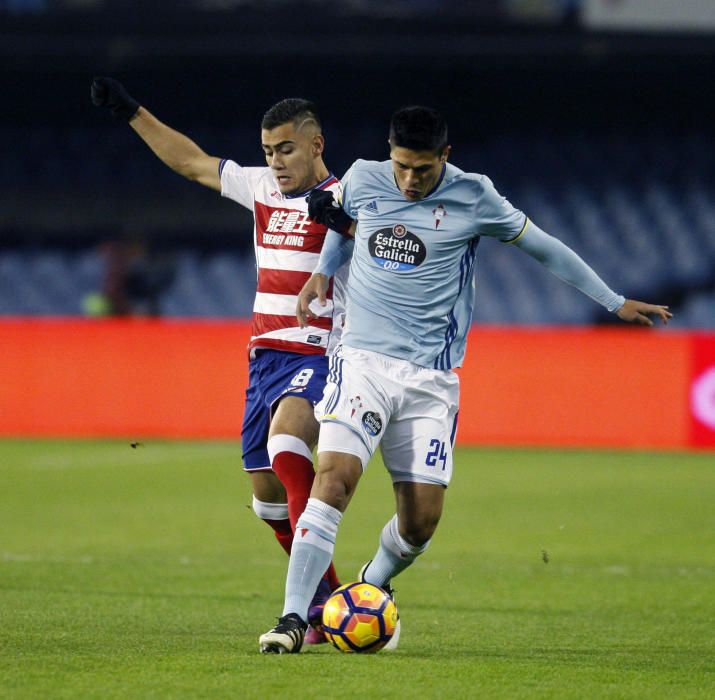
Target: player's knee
330,488
335,483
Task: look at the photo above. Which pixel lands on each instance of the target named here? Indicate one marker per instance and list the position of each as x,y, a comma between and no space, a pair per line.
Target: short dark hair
419,129
292,109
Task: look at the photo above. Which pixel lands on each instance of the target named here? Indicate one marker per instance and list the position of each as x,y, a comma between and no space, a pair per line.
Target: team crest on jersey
356,403
439,213
372,423
397,249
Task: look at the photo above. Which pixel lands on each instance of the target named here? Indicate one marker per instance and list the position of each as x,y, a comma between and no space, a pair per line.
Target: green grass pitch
143,573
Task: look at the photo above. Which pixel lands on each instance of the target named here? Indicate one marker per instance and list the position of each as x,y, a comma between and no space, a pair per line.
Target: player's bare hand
639,312
315,288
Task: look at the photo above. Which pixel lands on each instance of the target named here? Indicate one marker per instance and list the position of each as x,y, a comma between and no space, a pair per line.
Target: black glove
110,93
324,210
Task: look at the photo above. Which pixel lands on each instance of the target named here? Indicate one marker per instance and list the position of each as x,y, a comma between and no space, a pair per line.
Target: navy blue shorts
273,374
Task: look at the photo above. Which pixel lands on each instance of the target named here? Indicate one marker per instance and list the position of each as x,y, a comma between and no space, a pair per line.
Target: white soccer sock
312,552
394,555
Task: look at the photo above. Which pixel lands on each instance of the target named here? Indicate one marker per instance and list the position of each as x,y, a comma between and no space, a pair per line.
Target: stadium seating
640,210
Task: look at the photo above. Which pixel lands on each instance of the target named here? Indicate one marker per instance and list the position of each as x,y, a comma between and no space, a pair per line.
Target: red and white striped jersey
287,245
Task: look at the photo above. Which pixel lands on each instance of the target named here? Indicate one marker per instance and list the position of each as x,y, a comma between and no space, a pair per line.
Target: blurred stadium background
558,573
593,116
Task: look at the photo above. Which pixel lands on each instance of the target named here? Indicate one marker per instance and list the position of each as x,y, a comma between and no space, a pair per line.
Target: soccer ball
359,617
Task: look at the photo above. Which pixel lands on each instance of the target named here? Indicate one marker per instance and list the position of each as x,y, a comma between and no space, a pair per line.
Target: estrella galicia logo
372,422
396,248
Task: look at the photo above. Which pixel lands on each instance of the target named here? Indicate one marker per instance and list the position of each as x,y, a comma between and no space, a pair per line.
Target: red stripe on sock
296,474
283,532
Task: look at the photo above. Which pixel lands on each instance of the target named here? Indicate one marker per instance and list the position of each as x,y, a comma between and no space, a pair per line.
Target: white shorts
410,411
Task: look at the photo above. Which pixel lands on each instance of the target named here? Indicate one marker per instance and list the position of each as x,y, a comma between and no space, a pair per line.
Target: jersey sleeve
336,251
496,216
347,197
239,183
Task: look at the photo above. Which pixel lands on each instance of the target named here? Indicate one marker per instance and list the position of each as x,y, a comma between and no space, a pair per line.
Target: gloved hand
323,209
110,93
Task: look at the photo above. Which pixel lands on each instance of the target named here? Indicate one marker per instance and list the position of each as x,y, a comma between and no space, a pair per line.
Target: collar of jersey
319,186
436,186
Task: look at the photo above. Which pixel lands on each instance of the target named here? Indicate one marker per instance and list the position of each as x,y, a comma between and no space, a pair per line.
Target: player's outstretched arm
568,266
315,288
174,149
639,312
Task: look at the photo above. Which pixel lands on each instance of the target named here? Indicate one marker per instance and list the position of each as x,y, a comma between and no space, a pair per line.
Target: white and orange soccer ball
359,617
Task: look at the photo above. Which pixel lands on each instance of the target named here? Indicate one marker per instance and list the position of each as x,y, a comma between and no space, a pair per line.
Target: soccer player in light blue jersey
410,296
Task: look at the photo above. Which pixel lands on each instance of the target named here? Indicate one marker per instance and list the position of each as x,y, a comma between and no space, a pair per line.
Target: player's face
294,156
417,172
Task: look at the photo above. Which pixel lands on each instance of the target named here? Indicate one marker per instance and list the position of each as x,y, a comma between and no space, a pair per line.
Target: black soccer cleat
285,638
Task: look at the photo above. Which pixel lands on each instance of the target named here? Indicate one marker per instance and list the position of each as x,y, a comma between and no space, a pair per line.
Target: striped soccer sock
276,516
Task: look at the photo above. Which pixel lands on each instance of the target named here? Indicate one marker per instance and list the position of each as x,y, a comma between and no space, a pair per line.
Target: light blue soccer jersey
411,288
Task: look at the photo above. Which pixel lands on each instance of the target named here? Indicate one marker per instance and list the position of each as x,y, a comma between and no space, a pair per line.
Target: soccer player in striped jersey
287,363
409,306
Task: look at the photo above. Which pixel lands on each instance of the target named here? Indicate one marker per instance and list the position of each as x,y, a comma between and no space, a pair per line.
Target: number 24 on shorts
437,453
